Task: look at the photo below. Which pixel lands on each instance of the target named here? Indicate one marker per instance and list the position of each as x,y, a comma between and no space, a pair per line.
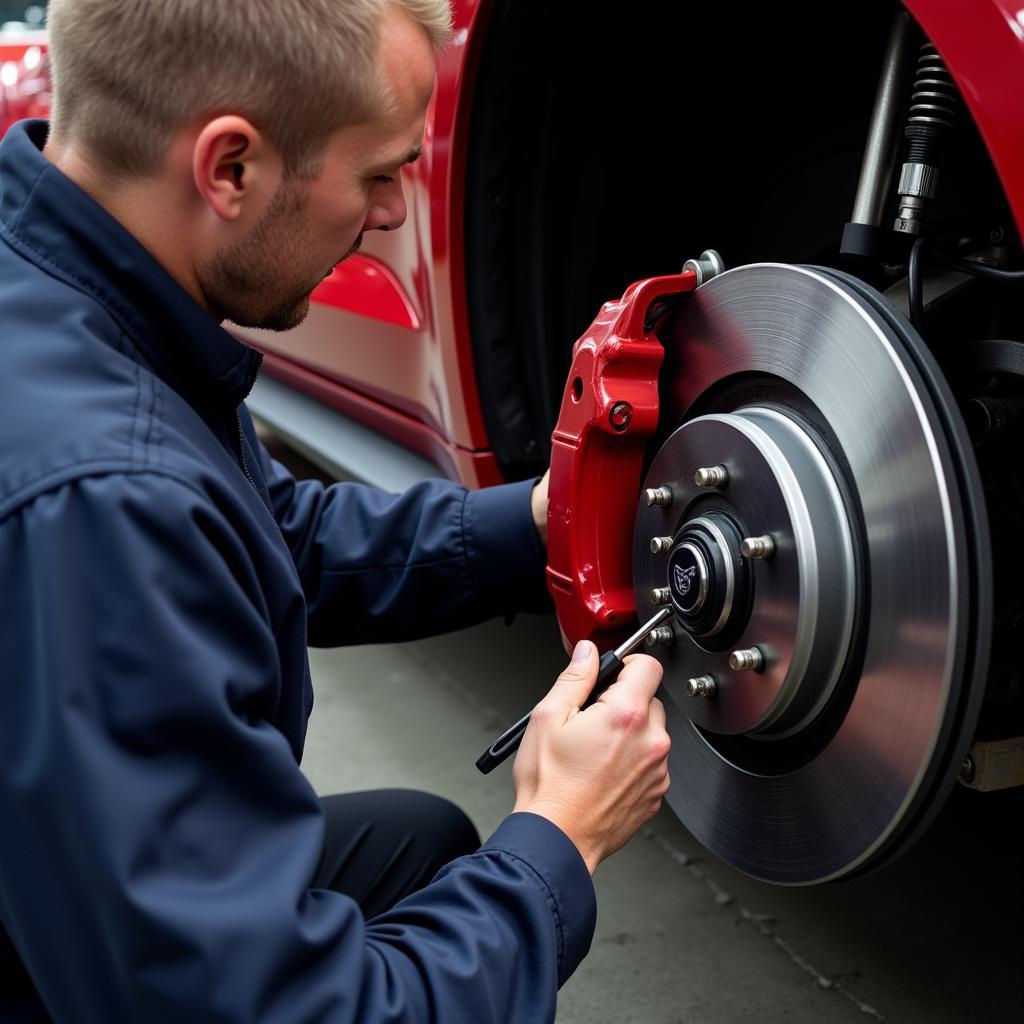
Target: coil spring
934,106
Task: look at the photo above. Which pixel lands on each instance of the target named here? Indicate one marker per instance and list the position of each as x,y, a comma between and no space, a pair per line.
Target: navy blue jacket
161,576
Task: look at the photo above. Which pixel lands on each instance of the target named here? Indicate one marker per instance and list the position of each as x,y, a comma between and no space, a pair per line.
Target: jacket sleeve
378,567
161,837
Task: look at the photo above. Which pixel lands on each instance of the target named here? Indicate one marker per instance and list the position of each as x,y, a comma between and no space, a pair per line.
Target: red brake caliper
609,412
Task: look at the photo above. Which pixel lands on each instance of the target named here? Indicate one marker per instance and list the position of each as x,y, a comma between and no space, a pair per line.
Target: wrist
587,847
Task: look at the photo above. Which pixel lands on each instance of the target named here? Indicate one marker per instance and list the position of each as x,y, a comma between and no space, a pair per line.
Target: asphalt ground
934,938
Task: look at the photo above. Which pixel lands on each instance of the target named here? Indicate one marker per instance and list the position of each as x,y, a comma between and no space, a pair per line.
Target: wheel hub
795,608
708,584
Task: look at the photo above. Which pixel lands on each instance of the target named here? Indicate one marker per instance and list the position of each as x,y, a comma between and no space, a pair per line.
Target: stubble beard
246,283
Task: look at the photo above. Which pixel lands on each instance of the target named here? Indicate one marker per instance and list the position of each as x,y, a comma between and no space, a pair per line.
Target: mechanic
163,858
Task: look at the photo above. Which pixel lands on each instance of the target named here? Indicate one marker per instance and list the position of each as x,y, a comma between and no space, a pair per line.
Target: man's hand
539,507
597,774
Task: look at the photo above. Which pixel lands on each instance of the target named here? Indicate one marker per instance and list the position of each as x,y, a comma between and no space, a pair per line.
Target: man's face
266,280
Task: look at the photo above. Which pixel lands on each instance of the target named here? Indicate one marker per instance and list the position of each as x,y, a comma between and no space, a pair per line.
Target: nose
387,210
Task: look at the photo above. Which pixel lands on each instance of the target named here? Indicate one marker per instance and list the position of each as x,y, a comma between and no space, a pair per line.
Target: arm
379,567
160,866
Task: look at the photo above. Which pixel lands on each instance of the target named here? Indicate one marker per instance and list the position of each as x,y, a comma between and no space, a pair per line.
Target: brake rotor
820,536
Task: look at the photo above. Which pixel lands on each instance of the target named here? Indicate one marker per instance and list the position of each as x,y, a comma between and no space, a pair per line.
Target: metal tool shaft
627,648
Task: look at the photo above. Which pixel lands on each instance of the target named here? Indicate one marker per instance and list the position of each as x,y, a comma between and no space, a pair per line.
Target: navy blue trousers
384,844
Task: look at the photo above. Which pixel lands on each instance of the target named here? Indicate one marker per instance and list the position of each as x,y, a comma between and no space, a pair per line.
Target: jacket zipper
241,452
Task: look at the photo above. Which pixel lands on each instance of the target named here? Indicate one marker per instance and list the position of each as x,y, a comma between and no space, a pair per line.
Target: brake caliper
609,413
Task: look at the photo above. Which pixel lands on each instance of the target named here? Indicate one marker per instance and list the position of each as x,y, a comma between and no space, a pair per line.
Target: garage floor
936,938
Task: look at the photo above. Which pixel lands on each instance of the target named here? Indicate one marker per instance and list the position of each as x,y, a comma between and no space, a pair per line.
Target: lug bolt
750,660
661,545
658,496
758,547
661,596
663,636
702,686
711,476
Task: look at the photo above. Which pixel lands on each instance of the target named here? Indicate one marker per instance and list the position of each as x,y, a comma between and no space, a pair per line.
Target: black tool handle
508,742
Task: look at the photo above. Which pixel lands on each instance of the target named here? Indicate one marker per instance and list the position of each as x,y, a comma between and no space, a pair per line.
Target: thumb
573,686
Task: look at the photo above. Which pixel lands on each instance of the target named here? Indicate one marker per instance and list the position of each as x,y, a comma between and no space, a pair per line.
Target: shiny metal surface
828,813
750,660
713,476
757,547
663,636
710,264
702,686
886,131
803,597
630,645
658,496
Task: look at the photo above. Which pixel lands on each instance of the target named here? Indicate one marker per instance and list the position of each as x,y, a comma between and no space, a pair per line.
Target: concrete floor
935,938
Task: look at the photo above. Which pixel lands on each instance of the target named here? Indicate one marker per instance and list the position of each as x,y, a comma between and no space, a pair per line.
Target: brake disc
823,679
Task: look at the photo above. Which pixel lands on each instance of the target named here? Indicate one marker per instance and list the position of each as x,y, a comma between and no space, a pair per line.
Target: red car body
388,344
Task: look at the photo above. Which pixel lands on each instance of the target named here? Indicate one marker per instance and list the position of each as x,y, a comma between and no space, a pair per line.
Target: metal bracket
994,764
609,412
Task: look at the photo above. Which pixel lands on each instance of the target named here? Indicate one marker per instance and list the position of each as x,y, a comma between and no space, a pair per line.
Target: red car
811,458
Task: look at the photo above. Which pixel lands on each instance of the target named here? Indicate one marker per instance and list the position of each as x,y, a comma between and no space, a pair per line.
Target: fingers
573,686
638,682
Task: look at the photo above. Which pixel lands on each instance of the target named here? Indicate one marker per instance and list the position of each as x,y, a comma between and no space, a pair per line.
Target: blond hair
129,74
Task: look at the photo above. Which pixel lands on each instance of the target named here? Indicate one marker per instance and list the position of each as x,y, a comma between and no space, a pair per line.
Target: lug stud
750,660
663,636
661,596
658,497
661,545
702,686
758,547
711,476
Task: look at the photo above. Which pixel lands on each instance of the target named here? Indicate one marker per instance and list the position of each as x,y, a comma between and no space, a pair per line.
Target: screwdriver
611,665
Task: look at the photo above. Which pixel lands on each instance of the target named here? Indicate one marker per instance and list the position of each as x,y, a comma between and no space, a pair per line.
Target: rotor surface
817,690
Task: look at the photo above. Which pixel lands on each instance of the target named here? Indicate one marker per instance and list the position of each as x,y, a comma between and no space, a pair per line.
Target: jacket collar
51,222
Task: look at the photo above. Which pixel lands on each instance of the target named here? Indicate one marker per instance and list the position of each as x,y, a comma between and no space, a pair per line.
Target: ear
234,167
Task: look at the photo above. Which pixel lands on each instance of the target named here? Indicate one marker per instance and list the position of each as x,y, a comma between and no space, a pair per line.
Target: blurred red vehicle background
551,180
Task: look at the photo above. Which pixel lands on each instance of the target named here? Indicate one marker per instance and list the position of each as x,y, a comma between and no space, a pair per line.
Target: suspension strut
934,109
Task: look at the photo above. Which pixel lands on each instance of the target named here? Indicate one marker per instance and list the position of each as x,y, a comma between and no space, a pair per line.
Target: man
163,857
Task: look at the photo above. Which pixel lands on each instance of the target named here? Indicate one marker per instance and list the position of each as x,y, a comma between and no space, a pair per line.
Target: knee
453,834
460,831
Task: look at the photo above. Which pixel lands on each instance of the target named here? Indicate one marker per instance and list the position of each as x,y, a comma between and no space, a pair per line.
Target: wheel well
605,148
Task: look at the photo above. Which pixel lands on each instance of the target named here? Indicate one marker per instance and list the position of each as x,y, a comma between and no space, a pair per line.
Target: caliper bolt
758,547
621,416
702,686
711,476
661,545
661,596
660,497
750,660
663,636
709,265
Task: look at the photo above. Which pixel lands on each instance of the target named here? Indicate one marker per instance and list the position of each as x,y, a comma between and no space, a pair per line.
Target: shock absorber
934,108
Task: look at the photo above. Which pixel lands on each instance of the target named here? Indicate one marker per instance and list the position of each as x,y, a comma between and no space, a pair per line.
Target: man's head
275,129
